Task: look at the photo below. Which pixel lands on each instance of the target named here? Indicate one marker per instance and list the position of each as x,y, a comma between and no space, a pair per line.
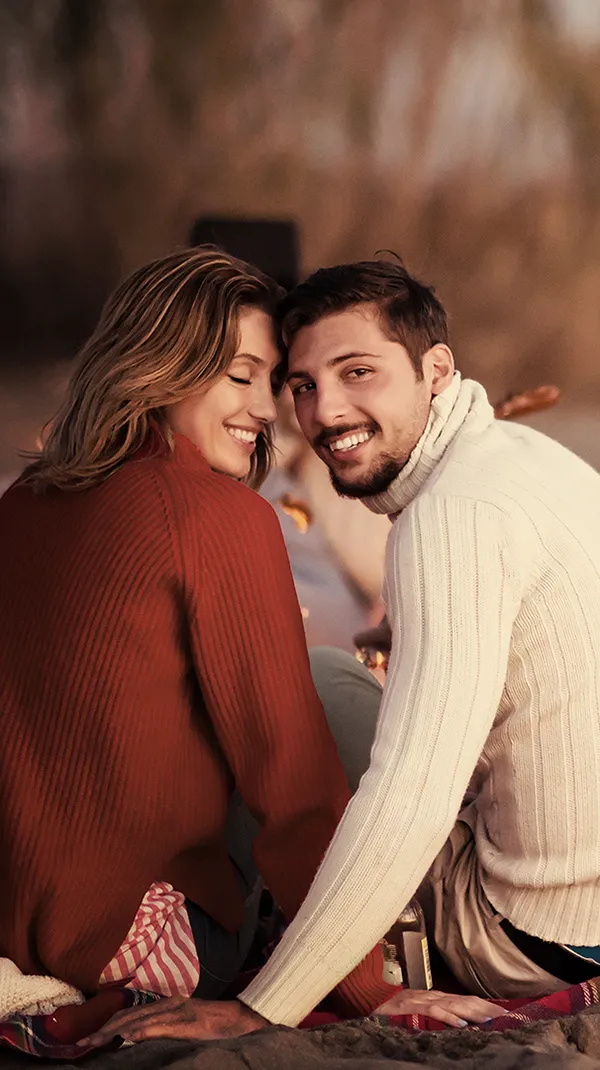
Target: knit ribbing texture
493,593
152,657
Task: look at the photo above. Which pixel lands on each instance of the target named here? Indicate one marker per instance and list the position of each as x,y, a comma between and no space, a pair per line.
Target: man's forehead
341,333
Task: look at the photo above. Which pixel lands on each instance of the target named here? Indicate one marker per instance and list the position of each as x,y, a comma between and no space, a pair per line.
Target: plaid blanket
55,1036
521,1011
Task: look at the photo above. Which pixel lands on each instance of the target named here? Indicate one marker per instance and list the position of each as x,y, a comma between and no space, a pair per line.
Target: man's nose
330,406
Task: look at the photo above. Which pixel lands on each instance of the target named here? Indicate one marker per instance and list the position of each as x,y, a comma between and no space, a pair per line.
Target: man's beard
374,483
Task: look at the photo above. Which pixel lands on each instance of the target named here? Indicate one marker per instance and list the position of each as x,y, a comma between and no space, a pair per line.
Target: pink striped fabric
158,955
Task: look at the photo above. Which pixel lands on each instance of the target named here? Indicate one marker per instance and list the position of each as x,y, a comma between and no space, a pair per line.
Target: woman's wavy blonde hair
166,332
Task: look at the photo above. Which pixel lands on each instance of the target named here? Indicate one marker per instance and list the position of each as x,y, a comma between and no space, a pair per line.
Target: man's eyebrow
332,364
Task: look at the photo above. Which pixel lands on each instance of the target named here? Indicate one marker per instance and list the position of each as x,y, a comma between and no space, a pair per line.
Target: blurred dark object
542,397
273,245
374,640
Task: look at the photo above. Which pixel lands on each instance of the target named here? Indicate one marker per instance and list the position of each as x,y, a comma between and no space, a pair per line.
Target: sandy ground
568,1044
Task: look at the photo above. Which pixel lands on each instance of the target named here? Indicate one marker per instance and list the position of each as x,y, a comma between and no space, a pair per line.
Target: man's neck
462,405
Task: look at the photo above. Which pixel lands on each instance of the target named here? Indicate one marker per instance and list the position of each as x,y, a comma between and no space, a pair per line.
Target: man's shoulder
500,466
513,483
516,468
472,484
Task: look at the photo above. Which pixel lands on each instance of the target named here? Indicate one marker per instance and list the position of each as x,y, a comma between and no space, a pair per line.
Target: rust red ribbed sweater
152,655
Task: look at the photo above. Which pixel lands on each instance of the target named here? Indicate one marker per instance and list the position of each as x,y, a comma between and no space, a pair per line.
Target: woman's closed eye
243,382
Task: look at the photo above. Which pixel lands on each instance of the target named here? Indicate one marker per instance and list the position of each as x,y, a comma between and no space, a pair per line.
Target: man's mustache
328,434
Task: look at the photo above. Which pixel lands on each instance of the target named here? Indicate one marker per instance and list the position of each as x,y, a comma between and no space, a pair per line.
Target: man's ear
438,367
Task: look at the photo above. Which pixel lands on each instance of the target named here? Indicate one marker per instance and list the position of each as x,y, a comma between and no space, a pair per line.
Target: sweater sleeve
452,598
252,663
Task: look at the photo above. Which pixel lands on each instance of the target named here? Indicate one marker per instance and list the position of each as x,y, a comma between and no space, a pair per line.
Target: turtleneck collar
463,405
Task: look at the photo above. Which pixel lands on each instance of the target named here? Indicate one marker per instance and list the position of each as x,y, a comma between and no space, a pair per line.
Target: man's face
358,398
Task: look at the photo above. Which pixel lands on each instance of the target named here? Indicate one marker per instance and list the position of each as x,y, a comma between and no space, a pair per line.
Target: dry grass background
465,136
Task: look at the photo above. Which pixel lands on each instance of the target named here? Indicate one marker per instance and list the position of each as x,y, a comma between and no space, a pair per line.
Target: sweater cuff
359,994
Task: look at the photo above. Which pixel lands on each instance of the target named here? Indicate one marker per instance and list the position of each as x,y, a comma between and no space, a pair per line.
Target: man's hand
195,1019
454,1010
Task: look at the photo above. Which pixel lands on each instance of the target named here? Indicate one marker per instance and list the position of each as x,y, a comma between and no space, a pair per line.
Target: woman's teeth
350,441
243,436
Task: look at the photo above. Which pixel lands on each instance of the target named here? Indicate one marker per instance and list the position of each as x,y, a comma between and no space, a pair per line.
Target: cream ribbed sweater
493,592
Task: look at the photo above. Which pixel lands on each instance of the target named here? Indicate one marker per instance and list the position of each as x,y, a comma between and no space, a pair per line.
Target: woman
152,647
152,656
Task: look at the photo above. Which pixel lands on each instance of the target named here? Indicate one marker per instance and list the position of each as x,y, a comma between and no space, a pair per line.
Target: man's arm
251,659
452,599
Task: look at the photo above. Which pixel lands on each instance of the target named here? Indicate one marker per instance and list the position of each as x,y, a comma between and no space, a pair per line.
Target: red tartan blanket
522,1011
55,1036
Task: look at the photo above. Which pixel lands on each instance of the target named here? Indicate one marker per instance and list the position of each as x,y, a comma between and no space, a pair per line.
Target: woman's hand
195,1019
453,1010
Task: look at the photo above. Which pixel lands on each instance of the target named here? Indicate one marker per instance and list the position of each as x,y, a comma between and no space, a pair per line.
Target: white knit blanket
32,994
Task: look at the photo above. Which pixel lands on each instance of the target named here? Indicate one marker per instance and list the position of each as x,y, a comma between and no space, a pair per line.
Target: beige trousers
461,922
465,927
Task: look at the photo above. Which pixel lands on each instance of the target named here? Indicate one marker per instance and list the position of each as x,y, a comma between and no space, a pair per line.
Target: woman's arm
251,659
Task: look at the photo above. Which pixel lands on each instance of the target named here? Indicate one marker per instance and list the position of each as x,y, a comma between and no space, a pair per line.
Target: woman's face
224,419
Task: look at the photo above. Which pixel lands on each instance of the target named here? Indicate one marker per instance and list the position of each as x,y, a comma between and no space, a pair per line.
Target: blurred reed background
465,135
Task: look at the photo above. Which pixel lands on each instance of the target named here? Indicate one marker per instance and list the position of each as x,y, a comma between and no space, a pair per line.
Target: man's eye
359,372
235,379
302,389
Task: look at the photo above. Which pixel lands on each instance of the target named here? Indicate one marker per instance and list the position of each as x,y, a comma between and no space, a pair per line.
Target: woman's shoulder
202,495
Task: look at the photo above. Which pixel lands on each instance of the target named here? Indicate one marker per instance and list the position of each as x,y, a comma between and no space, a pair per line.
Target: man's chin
370,484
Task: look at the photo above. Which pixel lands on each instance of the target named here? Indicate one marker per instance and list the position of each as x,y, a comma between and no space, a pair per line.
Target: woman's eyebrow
249,356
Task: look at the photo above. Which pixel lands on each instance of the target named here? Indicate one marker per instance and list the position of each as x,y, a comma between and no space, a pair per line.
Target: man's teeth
244,436
350,441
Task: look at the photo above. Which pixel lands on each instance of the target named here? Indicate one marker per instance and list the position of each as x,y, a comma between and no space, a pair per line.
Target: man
493,594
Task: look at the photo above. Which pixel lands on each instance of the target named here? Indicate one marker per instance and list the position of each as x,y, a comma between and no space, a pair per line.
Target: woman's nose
263,405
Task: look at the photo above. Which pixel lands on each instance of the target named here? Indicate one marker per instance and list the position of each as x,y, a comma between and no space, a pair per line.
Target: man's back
536,781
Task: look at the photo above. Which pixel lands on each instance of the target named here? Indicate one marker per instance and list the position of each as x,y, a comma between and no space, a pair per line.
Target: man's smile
347,442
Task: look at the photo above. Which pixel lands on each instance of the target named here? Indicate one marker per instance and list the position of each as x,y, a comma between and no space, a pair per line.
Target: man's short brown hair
409,311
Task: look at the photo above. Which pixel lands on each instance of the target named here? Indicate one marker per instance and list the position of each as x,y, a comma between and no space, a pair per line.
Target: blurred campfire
299,511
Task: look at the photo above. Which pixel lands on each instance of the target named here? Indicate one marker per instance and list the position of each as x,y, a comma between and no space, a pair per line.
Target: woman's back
98,694
121,730
152,652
